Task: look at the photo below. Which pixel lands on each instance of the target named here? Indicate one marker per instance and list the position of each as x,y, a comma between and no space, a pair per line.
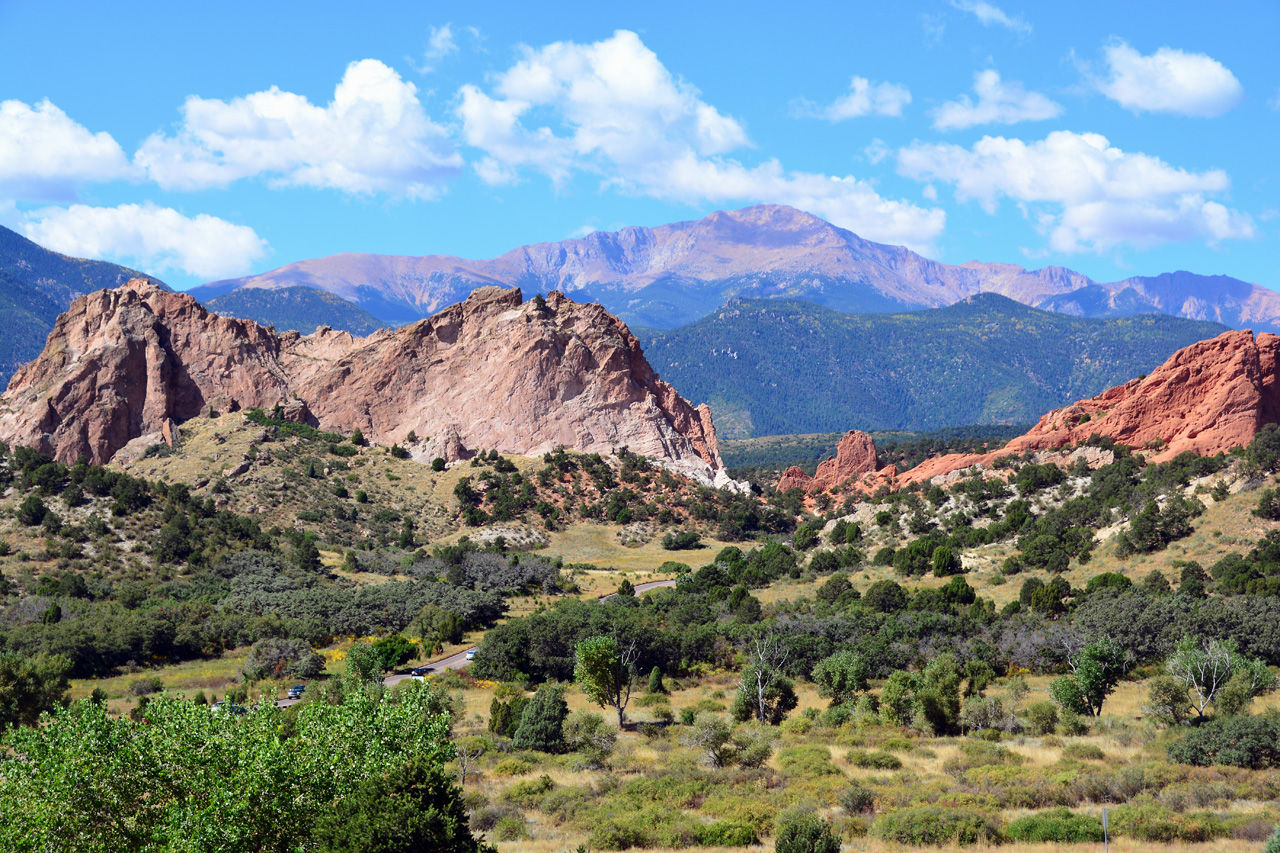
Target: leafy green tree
357,437
938,696
275,658
1096,669
184,779
438,625
841,677
394,650
885,597
413,808
307,555
1193,580
606,673
32,511
806,537
542,721
945,562
30,687
364,664
505,717
655,681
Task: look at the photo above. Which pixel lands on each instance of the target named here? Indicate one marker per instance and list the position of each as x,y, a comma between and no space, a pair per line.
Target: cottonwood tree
185,779
606,672
765,692
1096,669
1205,667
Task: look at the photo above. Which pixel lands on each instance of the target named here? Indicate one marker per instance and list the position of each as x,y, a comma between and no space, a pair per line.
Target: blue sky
1117,139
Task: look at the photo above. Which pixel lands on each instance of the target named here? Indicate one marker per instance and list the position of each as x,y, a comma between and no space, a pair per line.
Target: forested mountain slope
774,367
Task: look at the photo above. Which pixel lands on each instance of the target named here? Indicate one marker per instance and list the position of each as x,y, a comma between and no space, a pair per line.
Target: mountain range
36,285
673,274
787,366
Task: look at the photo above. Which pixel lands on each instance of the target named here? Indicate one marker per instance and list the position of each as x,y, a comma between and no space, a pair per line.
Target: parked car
228,708
296,691
420,670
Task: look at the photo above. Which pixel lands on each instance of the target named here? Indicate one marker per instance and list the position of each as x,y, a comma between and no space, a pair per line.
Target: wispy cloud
990,14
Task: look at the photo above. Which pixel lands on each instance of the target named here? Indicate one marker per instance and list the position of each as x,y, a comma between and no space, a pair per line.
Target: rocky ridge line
1206,398
491,372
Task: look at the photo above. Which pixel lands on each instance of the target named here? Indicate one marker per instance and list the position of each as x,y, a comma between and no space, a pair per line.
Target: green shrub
530,792
1060,826
874,760
1042,717
1072,724
807,760
1084,752
727,833
513,767
1150,821
1252,742
510,828
857,798
936,826
978,753
802,831
1273,843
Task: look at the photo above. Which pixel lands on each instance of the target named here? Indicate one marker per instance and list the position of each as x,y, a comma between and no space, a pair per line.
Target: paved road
459,660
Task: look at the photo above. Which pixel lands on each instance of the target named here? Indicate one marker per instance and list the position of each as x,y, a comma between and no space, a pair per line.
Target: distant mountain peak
668,275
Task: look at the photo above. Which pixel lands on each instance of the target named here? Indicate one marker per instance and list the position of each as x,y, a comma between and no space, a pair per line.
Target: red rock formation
501,374
855,457
1207,398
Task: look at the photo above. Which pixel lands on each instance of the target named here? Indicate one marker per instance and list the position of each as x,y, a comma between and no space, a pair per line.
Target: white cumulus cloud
1168,81
612,109
45,155
989,13
1083,192
999,102
864,98
374,137
149,237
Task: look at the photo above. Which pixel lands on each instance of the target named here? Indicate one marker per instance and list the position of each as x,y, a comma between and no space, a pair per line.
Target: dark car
421,670
296,691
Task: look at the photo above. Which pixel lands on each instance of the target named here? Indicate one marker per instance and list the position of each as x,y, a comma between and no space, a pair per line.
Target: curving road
459,659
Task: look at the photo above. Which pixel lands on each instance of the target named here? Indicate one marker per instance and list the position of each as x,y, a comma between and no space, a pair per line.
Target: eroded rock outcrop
1207,398
855,457
491,372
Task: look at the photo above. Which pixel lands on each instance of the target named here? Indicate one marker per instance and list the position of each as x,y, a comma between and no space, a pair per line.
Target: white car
471,654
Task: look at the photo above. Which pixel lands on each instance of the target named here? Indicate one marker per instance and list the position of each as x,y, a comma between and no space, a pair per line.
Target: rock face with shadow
492,372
